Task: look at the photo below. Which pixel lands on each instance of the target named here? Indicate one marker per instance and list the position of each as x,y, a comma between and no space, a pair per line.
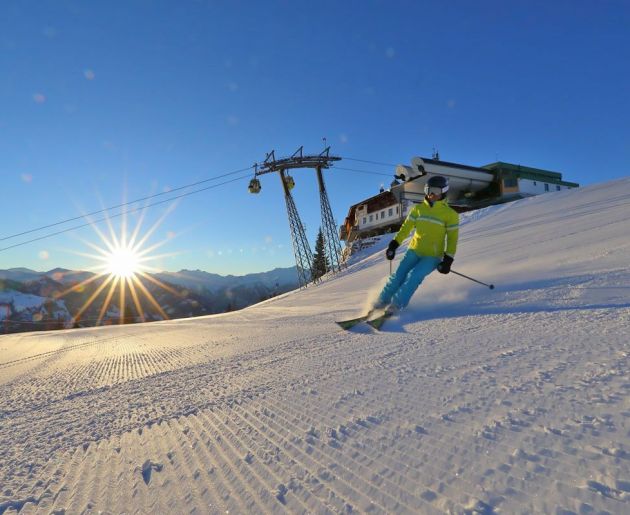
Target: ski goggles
434,190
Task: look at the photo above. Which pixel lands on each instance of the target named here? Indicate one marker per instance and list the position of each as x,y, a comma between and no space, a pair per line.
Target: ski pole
491,286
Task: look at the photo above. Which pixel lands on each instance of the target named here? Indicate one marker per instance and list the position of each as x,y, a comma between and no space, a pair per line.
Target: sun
123,262
123,272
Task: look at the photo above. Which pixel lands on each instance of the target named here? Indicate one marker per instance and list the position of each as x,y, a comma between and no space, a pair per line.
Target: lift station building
470,188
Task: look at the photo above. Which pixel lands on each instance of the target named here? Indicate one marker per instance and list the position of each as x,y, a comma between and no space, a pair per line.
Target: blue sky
106,101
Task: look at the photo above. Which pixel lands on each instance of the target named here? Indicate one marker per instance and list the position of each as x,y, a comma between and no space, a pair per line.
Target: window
510,182
364,220
371,217
535,183
557,187
546,187
396,209
390,211
382,214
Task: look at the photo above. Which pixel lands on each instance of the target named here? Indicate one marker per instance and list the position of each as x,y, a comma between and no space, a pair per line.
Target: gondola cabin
254,186
288,180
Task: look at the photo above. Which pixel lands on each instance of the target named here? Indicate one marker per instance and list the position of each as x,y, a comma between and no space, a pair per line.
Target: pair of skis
373,321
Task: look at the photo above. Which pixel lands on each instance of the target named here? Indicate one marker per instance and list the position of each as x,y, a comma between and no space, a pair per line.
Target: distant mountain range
61,275
31,300
204,281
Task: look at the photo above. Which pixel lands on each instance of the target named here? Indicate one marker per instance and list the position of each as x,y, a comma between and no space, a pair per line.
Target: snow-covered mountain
31,300
20,274
196,279
34,306
284,279
513,400
60,275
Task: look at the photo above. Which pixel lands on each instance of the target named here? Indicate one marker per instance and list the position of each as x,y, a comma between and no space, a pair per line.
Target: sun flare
123,262
123,275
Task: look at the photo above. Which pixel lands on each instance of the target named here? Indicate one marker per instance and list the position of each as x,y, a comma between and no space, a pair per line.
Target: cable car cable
123,213
361,171
123,205
367,161
162,202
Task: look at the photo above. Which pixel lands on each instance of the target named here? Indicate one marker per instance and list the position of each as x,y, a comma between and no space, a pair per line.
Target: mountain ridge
33,300
15,273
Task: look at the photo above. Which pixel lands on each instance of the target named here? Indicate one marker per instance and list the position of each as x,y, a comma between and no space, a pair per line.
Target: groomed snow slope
512,400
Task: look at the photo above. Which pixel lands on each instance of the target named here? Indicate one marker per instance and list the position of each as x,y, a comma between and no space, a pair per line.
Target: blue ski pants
408,276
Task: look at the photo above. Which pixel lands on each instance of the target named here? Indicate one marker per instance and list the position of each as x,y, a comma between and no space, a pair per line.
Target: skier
433,246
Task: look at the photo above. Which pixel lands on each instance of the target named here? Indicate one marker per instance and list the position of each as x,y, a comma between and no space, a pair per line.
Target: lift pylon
329,228
301,247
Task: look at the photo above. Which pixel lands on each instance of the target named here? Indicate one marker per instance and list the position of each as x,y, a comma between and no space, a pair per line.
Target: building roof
382,200
454,165
377,202
527,172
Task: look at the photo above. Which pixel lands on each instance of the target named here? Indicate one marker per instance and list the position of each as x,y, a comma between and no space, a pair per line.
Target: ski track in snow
509,401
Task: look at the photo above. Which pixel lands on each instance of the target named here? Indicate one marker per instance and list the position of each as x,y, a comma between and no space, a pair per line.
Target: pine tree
320,260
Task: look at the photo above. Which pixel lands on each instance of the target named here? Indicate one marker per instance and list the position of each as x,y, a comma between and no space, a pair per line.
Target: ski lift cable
368,161
362,171
61,222
124,212
186,186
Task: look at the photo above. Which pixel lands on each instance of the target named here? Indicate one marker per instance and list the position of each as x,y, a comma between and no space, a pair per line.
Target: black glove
445,265
390,253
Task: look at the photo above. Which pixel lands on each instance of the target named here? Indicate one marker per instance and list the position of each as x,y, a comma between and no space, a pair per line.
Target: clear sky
106,101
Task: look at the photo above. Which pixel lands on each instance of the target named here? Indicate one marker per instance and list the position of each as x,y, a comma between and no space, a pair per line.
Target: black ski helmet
436,182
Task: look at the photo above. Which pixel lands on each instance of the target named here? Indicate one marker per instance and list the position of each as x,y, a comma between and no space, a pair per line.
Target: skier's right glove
445,265
390,253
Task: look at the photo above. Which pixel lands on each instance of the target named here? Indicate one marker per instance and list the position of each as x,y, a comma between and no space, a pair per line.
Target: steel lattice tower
329,228
301,248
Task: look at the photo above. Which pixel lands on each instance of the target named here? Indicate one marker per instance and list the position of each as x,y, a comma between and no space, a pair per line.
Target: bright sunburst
122,272
123,262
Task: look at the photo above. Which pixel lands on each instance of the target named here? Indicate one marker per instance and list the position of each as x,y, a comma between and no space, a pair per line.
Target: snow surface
512,400
21,301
